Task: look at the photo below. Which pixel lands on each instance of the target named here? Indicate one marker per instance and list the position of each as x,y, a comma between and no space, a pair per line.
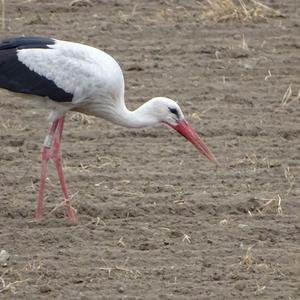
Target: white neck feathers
119,114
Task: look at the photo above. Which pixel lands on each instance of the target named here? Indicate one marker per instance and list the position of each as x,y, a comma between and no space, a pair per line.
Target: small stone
216,277
206,264
224,222
4,257
243,226
240,286
45,288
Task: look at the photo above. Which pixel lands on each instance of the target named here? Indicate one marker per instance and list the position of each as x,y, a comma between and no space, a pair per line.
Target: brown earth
156,219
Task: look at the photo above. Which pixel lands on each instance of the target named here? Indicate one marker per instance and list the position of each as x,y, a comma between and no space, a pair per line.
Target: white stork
72,76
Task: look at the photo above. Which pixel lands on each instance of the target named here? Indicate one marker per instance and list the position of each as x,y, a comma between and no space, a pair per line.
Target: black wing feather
26,42
17,77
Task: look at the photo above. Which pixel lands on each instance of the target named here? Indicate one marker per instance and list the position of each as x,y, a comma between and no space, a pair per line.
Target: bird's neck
141,117
121,115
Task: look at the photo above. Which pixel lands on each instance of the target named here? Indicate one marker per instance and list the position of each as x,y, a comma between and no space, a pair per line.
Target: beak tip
190,134
214,160
217,163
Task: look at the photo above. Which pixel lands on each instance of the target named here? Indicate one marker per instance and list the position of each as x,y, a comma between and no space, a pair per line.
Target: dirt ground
156,219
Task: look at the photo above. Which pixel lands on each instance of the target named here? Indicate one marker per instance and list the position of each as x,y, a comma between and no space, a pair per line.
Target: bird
67,76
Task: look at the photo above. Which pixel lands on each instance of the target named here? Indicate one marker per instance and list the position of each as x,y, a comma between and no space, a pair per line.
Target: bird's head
168,112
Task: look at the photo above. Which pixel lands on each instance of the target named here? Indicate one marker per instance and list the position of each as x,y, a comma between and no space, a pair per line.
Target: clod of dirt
120,289
235,53
45,289
240,286
4,257
206,264
134,67
250,205
175,234
237,100
36,20
216,276
16,142
147,246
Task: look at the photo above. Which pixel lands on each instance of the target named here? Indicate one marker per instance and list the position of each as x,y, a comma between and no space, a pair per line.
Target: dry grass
254,263
178,191
237,10
125,18
271,205
65,205
255,162
186,238
248,258
290,177
267,77
244,43
287,98
121,269
121,242
198,115
287,95
12,124
259,290
82,118
10,286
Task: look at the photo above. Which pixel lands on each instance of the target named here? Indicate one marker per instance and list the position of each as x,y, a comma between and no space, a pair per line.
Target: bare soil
156,219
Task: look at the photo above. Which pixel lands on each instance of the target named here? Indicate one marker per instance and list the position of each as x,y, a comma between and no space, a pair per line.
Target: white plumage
83,71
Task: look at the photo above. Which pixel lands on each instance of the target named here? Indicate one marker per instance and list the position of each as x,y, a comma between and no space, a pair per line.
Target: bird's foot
70,212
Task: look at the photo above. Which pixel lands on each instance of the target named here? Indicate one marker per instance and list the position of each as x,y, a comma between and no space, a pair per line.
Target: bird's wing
61,71
17,77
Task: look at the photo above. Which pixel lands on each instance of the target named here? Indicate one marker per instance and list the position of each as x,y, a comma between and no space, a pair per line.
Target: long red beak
185,129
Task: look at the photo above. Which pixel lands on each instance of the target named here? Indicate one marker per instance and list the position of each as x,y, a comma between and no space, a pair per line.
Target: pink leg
56,156
46,154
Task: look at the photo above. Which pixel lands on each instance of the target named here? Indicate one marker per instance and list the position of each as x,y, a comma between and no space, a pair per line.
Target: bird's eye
174,111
